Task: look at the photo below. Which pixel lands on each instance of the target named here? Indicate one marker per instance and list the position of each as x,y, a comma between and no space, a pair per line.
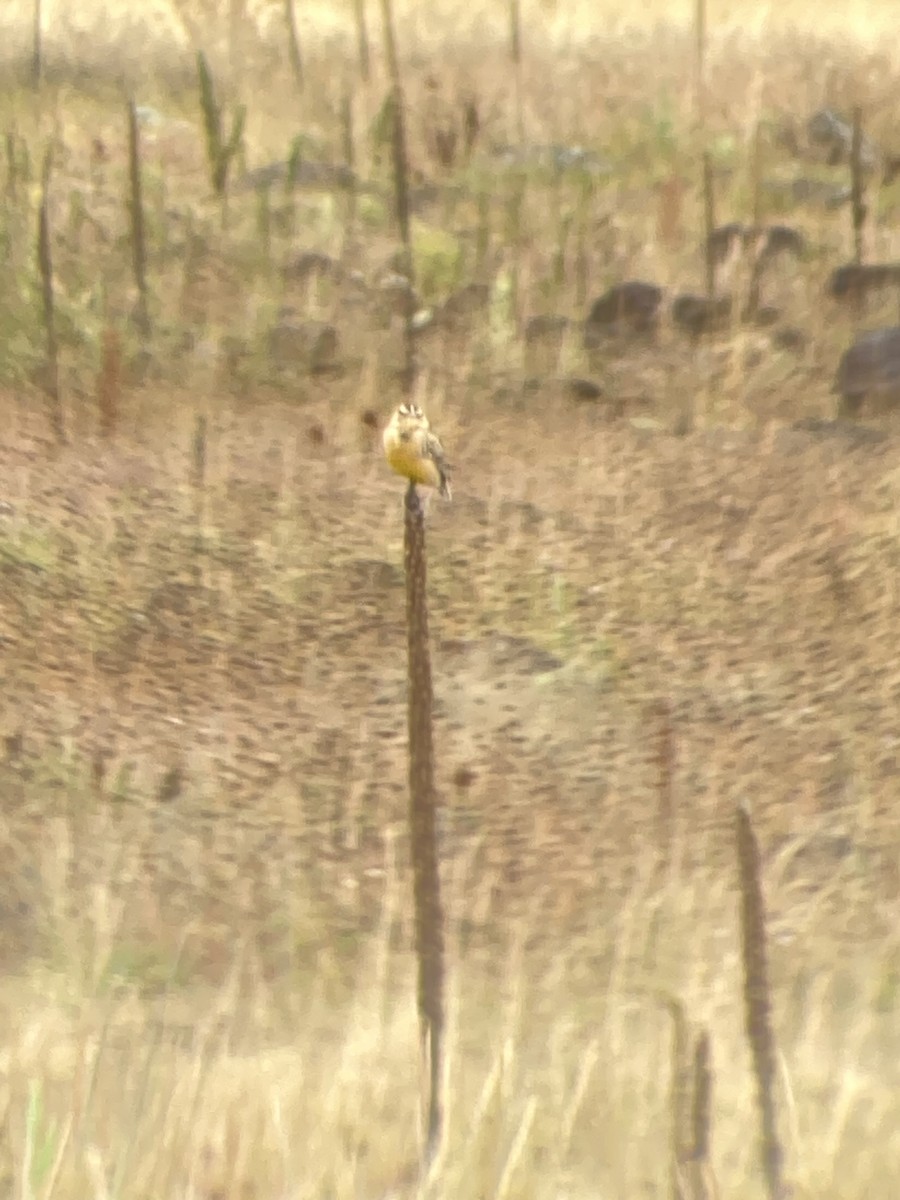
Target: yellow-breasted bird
413,450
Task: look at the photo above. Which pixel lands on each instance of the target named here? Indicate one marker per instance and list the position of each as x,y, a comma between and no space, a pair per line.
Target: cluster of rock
633,309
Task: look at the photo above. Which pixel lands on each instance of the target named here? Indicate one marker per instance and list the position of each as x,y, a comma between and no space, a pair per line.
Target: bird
414,450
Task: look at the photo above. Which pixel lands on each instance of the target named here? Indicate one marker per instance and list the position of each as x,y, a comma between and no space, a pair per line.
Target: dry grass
645,609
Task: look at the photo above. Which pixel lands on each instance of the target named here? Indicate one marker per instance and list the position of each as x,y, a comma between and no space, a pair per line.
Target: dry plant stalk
709,224
516,237
390,42
757,999
691,1176
198,469
288,218
583,240
401,193
681,1096
400,163
45,262
701,1105
757,170
12,166
857,194
482,231
136,216
515,54
293,40
561,252
348,141
236,11
702,1178
515,32
756,192
669,213
665,754
109,381
199,453
362,40
220,150
18,163
429,919
37,49
471,125
264,219
700,26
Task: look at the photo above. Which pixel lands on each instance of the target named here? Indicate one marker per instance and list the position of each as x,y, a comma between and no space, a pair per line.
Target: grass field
652,599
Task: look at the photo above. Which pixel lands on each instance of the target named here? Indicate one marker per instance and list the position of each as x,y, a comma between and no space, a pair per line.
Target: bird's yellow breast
406,458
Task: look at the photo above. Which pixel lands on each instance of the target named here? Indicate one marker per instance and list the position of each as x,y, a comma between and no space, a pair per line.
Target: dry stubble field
677,586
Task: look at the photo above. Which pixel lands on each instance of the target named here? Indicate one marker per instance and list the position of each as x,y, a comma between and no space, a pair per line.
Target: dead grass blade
45,262
691,1176
221,150
665,759
136,217
700,25
362,40
12,166
199,453
109,381
680,1096
348,142
857,186
702,1178
515,54
757,1000
293,40
37,46
709,223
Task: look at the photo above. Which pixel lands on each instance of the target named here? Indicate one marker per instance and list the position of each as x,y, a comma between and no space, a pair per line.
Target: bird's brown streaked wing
435,450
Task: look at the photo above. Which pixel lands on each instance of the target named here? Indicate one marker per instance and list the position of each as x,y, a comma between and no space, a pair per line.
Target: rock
762,242
305,173
546,327
870,367
764,316
545,335
804,190
308,263
583,389
464,307
790,338
423,320
853,435
626,308
782,239
393,298
553,157
725,240
697,314
310,345
830,137
852,281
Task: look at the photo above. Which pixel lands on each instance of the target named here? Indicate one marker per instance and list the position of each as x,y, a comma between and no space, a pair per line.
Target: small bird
414,451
